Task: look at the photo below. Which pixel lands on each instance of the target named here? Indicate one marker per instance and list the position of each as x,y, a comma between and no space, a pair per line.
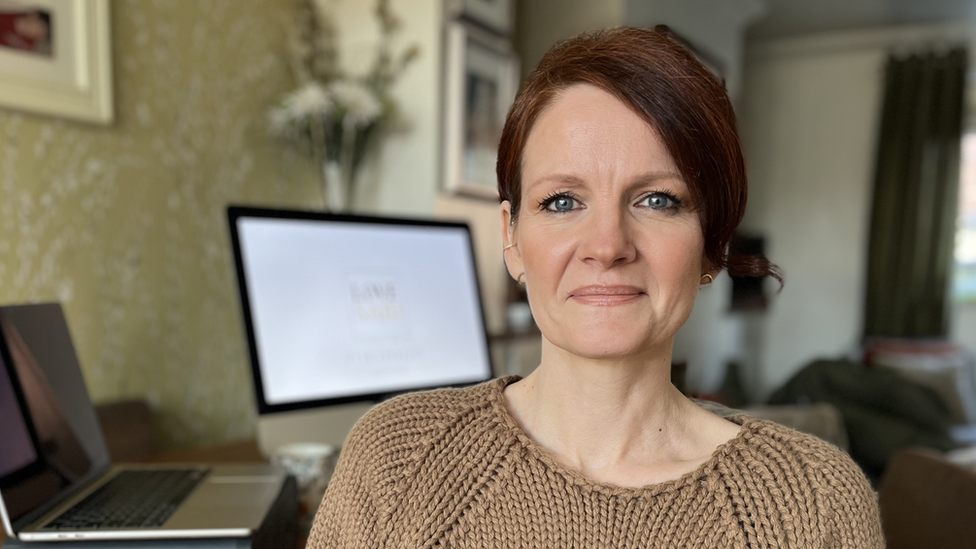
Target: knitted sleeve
854,517
347,517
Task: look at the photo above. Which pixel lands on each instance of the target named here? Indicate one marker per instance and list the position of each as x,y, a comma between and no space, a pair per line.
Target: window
964,285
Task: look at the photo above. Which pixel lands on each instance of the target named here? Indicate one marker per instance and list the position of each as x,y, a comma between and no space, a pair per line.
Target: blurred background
856,119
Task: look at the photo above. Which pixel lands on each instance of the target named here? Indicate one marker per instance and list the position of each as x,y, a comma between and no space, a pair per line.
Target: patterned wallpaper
125,224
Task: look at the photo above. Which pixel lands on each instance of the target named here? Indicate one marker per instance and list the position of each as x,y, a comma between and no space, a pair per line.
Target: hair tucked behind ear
753,265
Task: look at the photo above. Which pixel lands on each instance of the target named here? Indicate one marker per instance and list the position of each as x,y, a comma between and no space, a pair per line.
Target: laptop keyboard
132,499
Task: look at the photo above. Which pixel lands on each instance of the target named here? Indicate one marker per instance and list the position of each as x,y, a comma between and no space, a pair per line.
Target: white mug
312,465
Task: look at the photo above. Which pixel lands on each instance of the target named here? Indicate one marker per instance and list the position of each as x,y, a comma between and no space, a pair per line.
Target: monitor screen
344,308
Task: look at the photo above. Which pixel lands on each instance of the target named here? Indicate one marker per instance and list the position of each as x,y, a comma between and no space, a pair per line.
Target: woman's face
608,237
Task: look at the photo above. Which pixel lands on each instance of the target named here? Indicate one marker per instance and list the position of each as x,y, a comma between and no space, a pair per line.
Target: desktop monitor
343,311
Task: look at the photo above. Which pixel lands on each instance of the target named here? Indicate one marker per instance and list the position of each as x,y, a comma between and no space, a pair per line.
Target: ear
707,267
512,253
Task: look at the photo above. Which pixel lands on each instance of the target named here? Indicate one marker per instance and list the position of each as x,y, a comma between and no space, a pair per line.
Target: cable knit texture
452,468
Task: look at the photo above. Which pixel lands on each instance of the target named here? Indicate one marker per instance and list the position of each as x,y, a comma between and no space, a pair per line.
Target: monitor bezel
235,213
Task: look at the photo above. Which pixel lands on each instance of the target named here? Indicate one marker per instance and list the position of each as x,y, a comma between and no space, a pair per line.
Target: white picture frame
481,82
73,77
493,14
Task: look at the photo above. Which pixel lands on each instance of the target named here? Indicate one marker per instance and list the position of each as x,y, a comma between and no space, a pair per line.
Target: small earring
520,277
510,245
710,279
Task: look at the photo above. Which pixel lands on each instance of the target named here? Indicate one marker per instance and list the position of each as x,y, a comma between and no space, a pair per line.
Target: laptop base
279,530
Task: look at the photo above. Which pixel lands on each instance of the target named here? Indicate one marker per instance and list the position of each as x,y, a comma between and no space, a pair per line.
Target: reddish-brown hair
663,83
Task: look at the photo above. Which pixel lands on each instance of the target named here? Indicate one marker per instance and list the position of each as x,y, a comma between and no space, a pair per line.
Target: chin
606,343
604,353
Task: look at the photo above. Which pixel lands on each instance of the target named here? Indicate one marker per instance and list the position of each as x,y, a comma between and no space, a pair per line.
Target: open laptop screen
17,449
345,308
50,442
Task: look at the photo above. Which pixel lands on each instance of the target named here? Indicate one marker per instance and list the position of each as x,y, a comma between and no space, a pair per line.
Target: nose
606,239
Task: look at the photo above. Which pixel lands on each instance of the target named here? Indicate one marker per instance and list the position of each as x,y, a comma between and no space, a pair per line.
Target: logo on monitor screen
377,307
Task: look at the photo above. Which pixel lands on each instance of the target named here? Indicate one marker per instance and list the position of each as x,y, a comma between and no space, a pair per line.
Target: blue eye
661,201
559,203
562,204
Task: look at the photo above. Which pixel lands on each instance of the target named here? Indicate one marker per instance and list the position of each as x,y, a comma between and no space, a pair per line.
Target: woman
621,181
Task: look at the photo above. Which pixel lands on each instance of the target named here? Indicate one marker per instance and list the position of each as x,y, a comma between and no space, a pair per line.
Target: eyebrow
574,181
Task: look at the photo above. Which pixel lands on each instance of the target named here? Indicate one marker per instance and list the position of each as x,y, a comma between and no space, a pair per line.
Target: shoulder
410,413
802,453
816,458
403,425
818,474
381,459
819,463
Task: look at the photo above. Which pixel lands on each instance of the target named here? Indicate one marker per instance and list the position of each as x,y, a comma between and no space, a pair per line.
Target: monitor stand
330,425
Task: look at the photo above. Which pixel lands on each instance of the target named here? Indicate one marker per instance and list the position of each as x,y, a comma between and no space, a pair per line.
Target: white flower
299,107
307,101
361,104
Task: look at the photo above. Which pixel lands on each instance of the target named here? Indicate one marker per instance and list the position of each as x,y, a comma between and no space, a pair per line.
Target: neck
597,414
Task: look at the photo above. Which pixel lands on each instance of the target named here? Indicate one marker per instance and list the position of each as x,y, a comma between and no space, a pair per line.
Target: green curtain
916,190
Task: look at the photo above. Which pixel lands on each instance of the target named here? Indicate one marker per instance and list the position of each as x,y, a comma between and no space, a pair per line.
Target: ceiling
797,17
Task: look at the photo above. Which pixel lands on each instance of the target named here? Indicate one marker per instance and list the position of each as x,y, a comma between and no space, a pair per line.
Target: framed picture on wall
495,15
481,82
55,58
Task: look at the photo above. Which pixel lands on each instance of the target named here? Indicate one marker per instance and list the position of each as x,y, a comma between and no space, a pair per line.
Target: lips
606,296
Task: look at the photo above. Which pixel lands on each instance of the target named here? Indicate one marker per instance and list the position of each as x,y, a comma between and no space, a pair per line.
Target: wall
541,23
714,27
125,224
964,326
809,124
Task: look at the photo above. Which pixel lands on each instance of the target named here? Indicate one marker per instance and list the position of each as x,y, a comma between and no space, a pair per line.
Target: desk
244,451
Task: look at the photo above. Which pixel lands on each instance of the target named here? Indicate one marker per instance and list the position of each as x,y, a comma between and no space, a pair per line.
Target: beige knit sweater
452,468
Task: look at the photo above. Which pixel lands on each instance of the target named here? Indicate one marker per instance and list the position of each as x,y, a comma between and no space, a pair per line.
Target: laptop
57,481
